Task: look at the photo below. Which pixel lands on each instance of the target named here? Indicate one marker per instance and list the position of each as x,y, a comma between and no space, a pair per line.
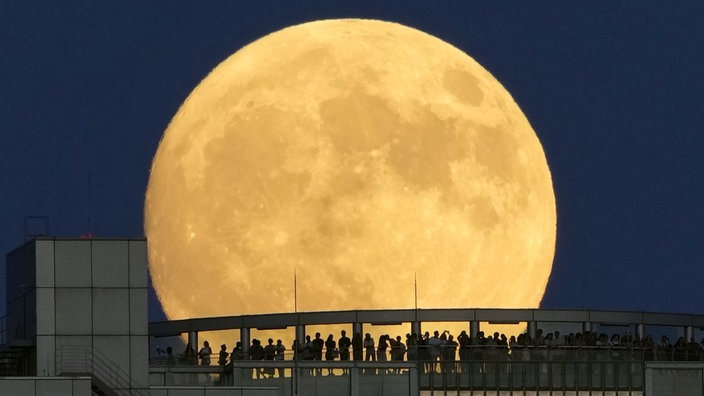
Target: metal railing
506,375
294,377
537,368
490,352
82,360
521,369
518,377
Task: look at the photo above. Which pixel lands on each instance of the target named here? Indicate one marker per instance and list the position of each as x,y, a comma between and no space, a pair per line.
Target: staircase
15,359
108,379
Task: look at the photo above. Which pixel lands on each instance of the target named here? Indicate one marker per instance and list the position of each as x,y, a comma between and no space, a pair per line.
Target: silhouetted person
269,353
369,348
280,351
449,353
463,341
344,344
627,340
256,352
237,352
308,349
222,361
330,346
423,354
392,345
412,345
476,343
557,339
170,359
381,348
308,353
222,357
204,354
679,350
434,345
318,344
297,350
398,350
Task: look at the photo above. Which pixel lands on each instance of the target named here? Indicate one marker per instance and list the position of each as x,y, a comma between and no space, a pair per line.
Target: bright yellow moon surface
359,155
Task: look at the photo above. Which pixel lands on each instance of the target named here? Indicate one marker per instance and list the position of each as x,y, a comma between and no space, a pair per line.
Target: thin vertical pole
90,205
415,290
295,375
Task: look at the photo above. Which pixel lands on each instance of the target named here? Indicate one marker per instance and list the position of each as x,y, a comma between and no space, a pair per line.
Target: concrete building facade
78,306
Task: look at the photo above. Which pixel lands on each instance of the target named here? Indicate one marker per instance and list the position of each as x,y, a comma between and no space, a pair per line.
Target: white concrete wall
674,378
37,386
93,293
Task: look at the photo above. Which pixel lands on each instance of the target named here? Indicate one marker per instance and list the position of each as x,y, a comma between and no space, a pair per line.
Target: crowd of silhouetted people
443,348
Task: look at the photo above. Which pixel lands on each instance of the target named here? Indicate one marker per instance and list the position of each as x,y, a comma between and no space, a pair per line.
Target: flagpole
295,292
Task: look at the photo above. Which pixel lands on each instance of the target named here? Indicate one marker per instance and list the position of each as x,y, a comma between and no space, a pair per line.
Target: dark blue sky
614,90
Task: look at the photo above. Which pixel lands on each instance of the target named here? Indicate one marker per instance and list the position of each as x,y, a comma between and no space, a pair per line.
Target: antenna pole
295,292
415,290
90,205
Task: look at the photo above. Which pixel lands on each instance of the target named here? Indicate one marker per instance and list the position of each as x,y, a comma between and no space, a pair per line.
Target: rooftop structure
76,324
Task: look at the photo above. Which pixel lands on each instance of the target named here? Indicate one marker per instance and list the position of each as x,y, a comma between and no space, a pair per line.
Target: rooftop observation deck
531,364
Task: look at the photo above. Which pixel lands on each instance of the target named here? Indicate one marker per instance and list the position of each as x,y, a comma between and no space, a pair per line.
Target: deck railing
565,369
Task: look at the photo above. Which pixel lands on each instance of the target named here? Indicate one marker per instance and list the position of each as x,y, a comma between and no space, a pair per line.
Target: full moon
378,165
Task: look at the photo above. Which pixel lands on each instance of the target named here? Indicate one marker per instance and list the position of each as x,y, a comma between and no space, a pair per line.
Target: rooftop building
77,324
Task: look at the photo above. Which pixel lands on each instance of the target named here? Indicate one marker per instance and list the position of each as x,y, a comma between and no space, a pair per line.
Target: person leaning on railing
237,352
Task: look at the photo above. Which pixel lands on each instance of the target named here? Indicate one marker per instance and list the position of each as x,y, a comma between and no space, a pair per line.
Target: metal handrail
73,359
501,352
500,375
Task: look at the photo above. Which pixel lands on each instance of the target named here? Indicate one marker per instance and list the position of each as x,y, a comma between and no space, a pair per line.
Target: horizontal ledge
386,317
